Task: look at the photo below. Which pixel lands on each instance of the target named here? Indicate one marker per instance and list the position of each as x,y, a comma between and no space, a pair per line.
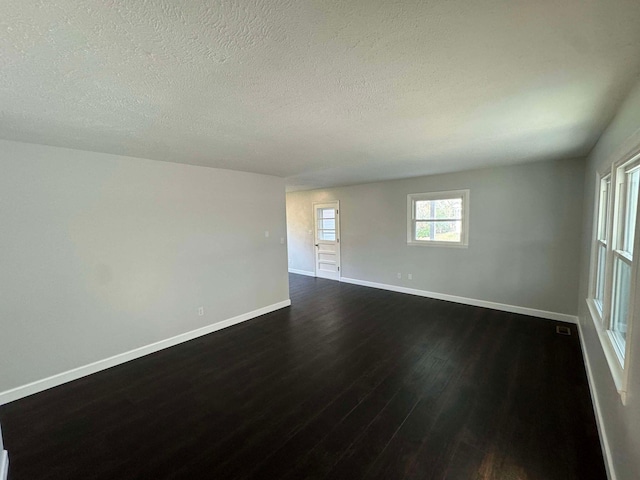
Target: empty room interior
319,239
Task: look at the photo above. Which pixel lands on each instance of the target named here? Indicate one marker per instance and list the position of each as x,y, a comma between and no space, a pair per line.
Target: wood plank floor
350,382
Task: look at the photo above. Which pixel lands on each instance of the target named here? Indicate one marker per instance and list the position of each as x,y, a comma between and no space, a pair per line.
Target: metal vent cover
562,330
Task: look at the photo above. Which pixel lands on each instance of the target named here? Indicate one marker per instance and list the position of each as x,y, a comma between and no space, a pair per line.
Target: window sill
617,372
437,244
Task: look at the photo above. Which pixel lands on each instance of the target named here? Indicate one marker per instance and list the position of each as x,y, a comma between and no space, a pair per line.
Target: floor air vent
563,330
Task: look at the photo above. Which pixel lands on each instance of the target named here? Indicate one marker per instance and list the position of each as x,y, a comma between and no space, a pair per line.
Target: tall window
439,218
612,281
625,226
601,242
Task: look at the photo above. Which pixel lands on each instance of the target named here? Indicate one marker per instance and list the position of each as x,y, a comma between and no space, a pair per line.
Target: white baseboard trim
302,272
4,465
604,440
562,317
64,377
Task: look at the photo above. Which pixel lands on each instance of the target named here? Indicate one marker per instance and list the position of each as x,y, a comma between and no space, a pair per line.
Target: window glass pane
620,306
329,223
450,208
630,210
423,210
599,294
328,213
424,231
439,231
327,235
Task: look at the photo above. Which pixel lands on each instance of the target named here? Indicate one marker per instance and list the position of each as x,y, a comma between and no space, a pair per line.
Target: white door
327,239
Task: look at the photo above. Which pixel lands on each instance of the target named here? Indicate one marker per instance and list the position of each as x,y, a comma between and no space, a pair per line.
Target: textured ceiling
324,92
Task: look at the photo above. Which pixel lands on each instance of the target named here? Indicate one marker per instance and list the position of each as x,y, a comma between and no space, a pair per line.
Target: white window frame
618,361
602,238
412,198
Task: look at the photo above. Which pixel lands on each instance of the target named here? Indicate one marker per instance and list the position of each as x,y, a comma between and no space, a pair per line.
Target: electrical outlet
310,232
200,311
281,240
266,234
409,276
399,275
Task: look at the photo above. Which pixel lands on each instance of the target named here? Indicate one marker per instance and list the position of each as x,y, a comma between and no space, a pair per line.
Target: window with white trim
601,242
438,218
614,264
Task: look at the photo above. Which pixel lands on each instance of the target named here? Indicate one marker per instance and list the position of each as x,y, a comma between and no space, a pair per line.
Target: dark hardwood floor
349,382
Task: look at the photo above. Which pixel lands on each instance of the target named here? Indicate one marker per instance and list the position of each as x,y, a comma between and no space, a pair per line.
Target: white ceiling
324,92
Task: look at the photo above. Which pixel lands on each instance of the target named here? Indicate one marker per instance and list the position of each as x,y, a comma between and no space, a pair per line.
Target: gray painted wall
101,254
525,224
620,422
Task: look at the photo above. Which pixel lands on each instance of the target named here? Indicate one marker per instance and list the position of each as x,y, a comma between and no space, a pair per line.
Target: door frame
315,235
